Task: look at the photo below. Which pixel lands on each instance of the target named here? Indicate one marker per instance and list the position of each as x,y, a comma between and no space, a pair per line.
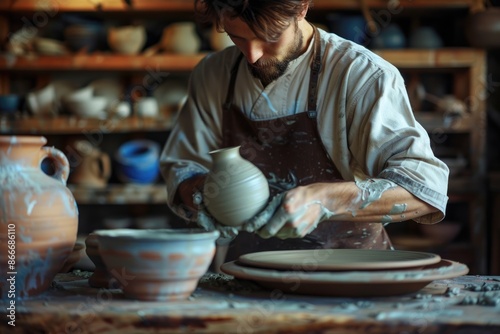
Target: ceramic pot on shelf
92,167
127,40
235,189
181,38
38,216
482,29
137,161
219,40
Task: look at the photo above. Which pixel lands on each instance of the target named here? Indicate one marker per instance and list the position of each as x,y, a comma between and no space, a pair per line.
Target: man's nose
253,52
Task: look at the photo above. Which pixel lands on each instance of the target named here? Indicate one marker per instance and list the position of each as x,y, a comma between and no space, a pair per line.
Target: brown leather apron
289,151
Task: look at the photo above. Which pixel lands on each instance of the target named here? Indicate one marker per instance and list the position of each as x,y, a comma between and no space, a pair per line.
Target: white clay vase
235,190
180,38
38,216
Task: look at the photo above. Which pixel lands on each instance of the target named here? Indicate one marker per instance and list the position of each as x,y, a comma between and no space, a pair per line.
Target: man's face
267,60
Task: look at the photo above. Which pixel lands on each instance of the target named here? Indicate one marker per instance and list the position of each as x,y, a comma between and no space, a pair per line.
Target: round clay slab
338,259
347,283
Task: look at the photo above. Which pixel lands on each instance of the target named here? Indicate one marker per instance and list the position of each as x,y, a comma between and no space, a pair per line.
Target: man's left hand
293,214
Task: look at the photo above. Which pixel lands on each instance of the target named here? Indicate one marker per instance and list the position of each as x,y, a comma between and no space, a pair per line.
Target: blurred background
103,81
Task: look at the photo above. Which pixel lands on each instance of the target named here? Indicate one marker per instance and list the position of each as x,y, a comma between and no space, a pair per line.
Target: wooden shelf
431,121
438,58
71,125
187,6
404,58
120,194
100,62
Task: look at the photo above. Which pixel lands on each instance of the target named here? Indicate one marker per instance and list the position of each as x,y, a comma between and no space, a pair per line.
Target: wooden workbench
221,304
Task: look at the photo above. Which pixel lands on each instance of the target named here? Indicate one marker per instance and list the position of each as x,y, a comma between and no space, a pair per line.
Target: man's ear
303,12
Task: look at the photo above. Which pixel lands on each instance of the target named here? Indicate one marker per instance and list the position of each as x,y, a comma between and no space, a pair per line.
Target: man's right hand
190,194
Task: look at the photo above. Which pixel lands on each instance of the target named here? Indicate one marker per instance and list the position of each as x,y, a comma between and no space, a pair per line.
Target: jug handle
105,164
61,163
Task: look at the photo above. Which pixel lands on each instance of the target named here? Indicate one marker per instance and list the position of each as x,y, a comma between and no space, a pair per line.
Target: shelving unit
466,66
186,6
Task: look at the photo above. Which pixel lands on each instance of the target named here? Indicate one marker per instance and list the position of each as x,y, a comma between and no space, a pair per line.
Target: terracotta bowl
159,264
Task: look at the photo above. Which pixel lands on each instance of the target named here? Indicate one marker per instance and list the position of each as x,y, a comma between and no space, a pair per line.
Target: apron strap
232,82
313,81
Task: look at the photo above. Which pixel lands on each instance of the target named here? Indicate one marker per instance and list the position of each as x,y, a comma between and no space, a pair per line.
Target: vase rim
157,234
24,139
225,149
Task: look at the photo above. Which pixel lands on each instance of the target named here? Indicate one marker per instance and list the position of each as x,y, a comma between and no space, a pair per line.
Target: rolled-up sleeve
387,142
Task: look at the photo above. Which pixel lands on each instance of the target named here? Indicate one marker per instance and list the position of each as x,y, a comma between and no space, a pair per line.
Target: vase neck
19,150
225,153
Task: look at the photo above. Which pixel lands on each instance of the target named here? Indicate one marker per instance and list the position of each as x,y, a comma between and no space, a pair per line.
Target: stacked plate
344,272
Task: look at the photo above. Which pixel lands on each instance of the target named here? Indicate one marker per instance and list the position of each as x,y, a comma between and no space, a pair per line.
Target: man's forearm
373,200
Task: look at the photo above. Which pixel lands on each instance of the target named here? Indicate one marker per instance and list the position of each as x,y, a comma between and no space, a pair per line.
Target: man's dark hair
267,18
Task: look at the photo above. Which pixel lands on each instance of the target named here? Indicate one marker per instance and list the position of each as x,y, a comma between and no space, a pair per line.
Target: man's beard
271,69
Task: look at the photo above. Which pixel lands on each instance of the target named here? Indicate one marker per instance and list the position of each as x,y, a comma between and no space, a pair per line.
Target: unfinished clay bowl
160,264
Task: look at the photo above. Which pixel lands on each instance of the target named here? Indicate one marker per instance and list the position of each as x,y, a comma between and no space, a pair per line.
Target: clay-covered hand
293,214
206,221
190,195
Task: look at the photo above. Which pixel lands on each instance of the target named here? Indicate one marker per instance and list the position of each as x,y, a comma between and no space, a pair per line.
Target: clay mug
180,37
91,166
38,216
235,189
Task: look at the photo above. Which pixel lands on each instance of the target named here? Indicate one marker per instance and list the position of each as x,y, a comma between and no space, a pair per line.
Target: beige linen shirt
364,117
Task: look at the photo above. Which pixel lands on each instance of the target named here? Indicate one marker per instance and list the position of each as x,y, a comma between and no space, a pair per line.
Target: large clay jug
91,166
38,216
235,189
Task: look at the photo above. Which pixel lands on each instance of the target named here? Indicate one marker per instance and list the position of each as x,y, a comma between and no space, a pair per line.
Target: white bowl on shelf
93,107
79,94
42,101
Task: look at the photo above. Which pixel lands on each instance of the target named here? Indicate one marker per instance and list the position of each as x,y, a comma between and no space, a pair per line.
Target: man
327,121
